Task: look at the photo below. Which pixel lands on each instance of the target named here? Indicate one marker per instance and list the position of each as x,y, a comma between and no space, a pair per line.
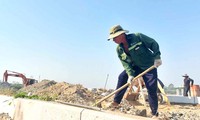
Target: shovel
163,92
143,98
133,96
98,103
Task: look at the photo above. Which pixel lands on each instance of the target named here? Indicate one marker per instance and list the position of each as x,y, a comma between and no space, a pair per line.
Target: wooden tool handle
125,85
140,75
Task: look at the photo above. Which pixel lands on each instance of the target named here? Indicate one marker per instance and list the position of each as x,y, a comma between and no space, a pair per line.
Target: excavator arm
15,74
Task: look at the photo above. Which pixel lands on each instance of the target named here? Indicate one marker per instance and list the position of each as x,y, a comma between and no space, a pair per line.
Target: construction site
25,98
99,60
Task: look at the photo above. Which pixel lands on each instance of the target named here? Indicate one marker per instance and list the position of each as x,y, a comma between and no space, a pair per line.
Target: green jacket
143,50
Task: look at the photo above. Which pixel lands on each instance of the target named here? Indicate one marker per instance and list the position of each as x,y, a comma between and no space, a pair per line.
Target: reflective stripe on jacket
143,50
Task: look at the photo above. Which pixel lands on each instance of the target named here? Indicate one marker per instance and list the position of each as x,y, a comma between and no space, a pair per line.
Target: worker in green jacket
137,52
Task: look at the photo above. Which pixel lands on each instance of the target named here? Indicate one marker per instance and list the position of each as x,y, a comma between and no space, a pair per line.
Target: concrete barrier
7,105
41,110
26,109
183,99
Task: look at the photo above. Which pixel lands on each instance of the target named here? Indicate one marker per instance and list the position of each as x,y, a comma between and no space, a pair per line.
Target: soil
77,94
5,116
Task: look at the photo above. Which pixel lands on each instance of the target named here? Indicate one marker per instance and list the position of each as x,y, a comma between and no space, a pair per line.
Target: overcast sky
66,40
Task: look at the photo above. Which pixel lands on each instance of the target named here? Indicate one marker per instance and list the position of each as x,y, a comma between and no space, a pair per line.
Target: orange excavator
26,81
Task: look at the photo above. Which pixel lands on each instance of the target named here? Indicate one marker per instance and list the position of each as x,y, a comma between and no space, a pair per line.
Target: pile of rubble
77,94
5,116
66,92
4,85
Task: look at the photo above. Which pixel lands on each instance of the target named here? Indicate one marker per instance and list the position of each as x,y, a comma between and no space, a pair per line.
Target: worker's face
119,39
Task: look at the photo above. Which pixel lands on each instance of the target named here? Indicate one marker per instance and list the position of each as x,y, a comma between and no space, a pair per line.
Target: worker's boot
156,116
113,105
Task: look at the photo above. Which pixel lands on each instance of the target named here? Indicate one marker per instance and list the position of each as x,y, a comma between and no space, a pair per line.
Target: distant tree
15,82
171,86
170,89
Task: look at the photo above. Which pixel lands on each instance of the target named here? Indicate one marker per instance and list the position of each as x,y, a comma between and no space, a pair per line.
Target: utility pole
106,81
39,79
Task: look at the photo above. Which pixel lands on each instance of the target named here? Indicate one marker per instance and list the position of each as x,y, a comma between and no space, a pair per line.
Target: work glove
157,62
130,78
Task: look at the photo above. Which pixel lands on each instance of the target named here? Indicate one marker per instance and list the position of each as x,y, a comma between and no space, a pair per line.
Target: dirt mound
71,93
38,86
68,93
77,94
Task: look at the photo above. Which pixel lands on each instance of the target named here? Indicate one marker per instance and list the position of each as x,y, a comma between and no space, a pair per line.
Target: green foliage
24,95
9,103
14,89
33,97
54,97
48,98
21,95
16,86
44,97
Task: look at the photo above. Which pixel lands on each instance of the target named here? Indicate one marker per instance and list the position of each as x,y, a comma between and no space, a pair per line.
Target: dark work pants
150,80
186,90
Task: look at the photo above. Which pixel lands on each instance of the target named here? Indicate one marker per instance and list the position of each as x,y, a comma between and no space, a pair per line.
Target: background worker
137,52
187,83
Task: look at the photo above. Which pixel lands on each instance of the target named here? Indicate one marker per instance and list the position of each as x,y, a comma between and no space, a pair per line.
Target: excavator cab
32,81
